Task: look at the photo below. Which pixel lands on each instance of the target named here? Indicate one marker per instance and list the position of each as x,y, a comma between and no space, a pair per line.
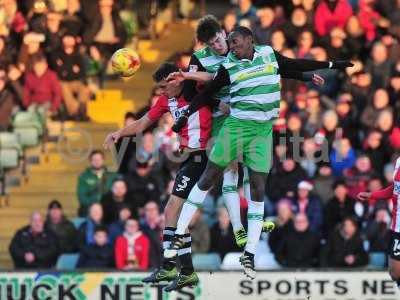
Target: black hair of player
242,31
164,70
94,152
207,28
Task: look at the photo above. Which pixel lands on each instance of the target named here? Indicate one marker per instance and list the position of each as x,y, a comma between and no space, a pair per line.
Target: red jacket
39,90
325,20
142,248
395,138
368,18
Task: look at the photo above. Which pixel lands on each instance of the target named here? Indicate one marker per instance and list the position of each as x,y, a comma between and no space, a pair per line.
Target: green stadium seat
211,261
29,128
78,222
67,261
10,150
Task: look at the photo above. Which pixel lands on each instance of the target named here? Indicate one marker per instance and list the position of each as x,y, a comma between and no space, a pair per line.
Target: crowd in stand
349,134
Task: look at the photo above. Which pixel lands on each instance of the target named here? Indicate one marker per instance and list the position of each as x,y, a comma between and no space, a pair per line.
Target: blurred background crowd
55,55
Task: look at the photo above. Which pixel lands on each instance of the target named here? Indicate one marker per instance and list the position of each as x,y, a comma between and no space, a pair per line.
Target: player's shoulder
162,100
203,52
264,49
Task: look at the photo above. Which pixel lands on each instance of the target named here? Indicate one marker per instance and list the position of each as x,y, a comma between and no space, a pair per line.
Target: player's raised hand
111,139
318,80
363,196
176,76
342,64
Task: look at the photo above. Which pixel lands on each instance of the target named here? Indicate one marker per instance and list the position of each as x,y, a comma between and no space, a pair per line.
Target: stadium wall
274,285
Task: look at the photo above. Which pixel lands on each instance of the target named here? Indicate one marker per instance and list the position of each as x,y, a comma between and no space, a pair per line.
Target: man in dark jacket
94,182
300,246
345,246
113,201
69,64
34,247
309,205
61,227
339,207
98,255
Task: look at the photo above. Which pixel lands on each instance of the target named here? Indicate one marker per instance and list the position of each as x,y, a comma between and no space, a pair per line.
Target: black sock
398,283
168,234
249,254
185,259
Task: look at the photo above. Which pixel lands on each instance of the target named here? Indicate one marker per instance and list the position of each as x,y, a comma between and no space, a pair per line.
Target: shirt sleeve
158,109
204,98
386,193
303,65
190,86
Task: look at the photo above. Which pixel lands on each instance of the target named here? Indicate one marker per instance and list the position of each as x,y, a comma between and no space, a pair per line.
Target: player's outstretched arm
129,130
196,76
305,65
290,74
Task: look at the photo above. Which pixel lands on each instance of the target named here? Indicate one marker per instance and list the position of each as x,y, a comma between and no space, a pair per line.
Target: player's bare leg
394,270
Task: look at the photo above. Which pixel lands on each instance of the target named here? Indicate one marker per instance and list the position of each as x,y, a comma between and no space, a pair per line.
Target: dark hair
100,228
243,31
338,182
94,152
207,28
130,115
38,57
164,70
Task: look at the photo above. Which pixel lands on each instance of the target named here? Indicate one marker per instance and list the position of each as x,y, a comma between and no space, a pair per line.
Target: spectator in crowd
310,157
61,227
379,66
42,86
323,182
356,40
264,25
229,22
143,184
117,227
284,224
94,182
297,24
380,102
68,62
378,231
375,150
357,177
99,254
342,156
345,246
152,226
245,11
53,32
86,230
73,18
278,40
339,207
33,246
31,47
300,246
284,182
337,48
132,248
114,200
221,235
346,116
200,233
107,32
7,102
326,135
330,14
310,205
370,19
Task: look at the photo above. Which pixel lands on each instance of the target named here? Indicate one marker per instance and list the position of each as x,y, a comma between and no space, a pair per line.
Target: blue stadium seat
266,261
377,260
211,261
67,261
78,222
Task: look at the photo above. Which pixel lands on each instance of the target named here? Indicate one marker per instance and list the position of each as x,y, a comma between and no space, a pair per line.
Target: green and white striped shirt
254,85
211,62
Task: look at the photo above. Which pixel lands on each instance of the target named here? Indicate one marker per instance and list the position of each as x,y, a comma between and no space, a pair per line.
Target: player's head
210,32
241,42
170,88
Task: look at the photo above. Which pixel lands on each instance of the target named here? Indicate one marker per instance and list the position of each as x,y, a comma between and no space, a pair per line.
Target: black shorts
189,173
394,248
